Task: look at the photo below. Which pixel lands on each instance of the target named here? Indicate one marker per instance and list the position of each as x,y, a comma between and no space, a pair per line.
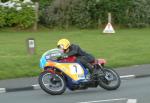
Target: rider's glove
65,56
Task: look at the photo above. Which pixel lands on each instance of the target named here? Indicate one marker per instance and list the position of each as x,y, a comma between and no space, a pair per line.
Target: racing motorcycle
60,73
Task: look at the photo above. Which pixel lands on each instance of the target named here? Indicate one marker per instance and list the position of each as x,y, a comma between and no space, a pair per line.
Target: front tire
53,84
107,80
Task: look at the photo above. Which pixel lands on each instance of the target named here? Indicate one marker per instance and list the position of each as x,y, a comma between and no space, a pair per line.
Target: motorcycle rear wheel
53,84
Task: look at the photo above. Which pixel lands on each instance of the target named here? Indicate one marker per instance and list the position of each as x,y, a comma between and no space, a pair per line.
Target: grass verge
125,47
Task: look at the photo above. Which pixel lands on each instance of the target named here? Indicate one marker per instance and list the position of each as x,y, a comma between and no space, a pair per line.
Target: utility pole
35,27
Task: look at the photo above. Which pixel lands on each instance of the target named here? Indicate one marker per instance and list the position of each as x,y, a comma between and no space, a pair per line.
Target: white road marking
36,86
132,101
2,90
127,76
108,100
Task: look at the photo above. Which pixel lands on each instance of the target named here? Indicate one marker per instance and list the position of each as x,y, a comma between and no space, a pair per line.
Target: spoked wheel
53,84
110,81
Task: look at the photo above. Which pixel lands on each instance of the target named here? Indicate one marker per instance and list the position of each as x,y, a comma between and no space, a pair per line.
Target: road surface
131,91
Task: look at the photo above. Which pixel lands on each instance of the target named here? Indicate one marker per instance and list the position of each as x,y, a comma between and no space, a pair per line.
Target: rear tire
110,76
52,83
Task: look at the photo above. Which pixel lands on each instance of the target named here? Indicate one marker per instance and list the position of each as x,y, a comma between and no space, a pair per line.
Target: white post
31,46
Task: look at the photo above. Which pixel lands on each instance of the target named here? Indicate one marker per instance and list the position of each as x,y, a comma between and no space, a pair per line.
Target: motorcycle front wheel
110,81
53,84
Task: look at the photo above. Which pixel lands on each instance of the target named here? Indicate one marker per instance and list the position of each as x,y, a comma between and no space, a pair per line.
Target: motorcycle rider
74,50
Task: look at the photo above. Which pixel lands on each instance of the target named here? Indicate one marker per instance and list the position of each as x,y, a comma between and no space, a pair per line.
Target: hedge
91,13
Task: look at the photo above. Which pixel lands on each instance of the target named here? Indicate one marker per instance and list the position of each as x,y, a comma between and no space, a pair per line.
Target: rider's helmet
63,44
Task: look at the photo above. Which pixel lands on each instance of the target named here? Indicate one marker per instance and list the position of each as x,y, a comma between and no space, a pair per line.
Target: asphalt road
25,82
131,91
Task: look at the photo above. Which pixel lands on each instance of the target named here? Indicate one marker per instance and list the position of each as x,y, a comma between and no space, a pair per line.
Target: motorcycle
60,73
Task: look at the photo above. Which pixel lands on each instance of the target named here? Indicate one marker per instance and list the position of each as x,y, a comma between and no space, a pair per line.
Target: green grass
126,47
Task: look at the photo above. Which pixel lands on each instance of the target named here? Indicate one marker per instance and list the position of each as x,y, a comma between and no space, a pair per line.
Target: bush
63,13
25,17
11,16
90,13
18,16
55,14
80,15
139,13
2,17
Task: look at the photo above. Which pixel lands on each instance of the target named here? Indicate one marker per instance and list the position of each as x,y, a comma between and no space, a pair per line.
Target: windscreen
53,54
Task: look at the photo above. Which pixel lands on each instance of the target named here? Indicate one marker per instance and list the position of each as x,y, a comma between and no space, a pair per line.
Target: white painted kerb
2,90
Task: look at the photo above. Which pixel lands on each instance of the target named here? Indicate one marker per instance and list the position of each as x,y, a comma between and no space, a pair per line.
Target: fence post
35,27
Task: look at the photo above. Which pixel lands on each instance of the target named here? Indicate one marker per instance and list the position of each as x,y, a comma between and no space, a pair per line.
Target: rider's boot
97,72
94,70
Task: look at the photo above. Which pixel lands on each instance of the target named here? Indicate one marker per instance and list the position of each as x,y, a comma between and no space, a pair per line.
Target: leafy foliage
2,18
91,13
80,13
13,17
139,13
